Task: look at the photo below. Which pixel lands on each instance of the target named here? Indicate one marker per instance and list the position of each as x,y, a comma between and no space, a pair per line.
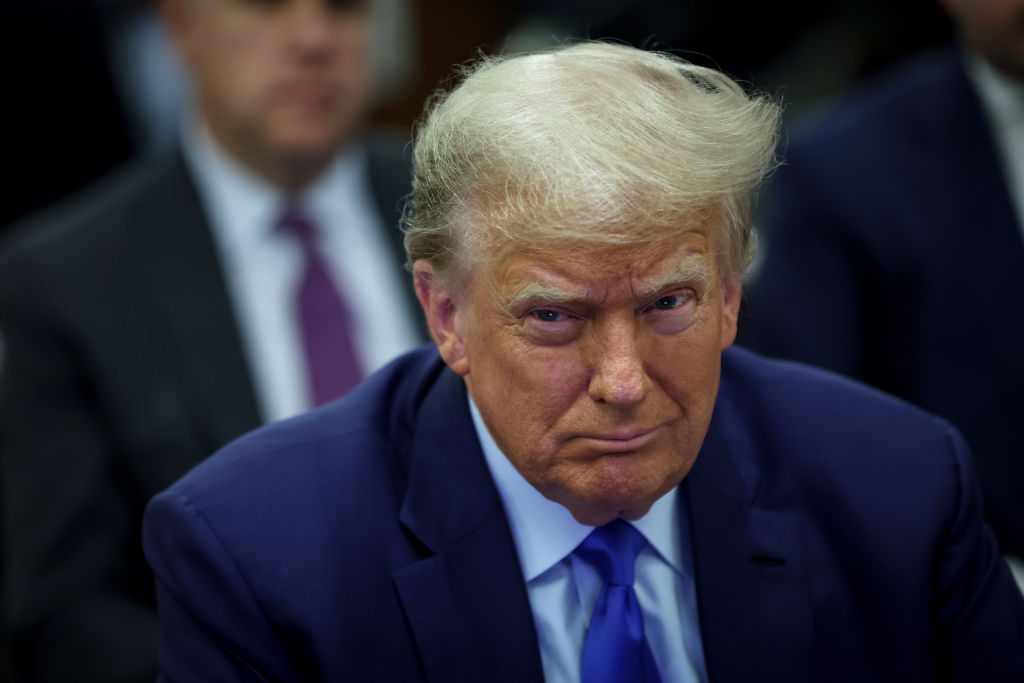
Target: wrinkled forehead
491,228
580,269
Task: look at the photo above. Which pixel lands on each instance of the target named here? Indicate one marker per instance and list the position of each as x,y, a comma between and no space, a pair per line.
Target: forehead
588,271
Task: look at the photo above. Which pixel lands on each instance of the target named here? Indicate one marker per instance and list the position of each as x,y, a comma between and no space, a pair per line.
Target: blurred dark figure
893,244
806,51
165,312
62,123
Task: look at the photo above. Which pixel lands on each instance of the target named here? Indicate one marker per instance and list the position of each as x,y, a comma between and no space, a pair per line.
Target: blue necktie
615,650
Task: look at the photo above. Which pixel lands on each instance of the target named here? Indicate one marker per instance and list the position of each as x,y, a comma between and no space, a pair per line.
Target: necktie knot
611,550
297,224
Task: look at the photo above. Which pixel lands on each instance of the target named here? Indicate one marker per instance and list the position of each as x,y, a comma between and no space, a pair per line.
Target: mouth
621,440
309,93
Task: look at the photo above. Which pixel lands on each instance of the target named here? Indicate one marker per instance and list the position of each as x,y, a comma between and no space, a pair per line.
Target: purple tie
615,650
323,318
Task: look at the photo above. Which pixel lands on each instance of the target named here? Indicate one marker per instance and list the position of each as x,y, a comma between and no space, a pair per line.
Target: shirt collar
1002,96
244,208
545,532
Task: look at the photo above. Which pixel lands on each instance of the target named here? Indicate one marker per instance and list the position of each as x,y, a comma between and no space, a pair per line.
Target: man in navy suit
581,480
896,229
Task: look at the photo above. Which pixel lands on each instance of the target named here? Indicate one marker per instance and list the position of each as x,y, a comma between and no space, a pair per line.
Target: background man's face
278,82
993,28
596,368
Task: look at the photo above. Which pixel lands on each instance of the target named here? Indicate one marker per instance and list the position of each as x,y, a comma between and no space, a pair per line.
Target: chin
600,513
304,158
602,504
306,145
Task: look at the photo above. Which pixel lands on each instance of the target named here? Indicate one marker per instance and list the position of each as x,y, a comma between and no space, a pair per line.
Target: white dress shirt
1002,98
262,267
563,589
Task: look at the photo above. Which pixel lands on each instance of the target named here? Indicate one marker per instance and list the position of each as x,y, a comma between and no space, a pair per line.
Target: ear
441,309
732,291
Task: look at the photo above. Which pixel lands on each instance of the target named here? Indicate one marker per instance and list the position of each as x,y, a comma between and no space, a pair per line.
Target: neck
289,170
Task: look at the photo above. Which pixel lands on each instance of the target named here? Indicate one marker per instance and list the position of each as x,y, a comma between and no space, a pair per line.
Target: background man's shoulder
896,108
76,232
337,448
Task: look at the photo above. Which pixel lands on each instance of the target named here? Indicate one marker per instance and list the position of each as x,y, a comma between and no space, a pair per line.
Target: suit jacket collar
971,196
184,296
466,602
749,566
390,169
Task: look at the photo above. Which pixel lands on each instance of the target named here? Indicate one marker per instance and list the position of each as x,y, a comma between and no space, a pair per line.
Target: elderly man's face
281,83
594,368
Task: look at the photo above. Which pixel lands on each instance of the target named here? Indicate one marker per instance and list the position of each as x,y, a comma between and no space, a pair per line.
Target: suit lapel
466,602
185,299
977,208
750,573
389,164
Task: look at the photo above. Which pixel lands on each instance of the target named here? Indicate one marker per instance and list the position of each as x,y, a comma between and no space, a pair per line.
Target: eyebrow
694,269
543,291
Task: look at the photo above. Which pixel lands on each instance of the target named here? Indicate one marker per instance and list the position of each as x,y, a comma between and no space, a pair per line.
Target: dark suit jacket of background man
893,254
837,536
125,368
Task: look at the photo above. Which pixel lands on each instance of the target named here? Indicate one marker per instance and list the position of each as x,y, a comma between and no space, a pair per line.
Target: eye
667,303
671,313
548,316
551,327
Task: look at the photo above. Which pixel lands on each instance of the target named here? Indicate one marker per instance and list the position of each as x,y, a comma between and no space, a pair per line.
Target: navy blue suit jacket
837,535
893,255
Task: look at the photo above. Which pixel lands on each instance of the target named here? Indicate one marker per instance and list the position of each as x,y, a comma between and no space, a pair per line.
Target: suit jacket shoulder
890,220
390,166
389,553
836,534
122,368
855,537
907,104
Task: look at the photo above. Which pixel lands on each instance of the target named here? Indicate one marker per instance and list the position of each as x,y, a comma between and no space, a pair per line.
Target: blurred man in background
897,229
183,302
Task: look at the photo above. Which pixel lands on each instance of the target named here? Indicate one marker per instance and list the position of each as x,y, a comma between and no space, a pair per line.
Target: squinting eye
667,303
547,316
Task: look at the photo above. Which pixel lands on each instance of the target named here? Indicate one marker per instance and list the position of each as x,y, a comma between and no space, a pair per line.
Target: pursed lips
309,92
622,440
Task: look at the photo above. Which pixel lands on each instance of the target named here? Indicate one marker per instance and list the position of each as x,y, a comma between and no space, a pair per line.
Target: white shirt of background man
262,266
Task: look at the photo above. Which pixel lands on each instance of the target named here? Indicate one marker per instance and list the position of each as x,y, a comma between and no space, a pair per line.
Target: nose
617,373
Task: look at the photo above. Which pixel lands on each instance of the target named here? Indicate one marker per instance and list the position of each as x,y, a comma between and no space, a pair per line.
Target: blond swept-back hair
593,141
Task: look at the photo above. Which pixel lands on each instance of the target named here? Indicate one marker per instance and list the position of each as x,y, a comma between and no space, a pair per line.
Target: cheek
230,68
689,353
352,43
533,391
547,381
